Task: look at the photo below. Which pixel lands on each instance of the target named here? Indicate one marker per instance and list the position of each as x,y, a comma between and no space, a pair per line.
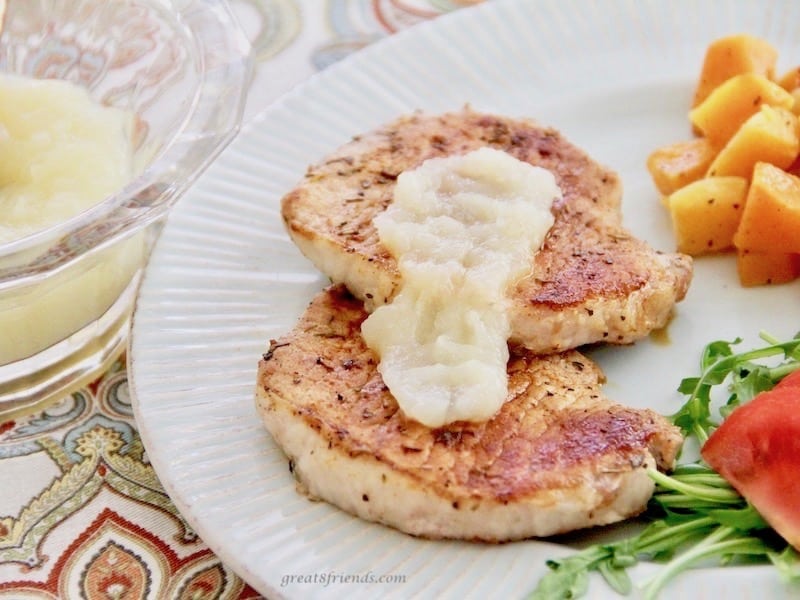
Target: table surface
82,513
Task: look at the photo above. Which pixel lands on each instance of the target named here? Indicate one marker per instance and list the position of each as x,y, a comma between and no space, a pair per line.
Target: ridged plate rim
615,77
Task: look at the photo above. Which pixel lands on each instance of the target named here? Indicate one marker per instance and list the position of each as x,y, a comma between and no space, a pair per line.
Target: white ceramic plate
616,78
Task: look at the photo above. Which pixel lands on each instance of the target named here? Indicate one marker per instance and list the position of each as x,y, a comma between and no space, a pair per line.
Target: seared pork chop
591,282
557,457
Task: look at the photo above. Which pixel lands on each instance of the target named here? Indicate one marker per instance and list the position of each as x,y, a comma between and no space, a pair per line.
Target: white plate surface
616,78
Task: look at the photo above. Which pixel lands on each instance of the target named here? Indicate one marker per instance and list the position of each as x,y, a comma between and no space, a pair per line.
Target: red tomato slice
791,380
757,449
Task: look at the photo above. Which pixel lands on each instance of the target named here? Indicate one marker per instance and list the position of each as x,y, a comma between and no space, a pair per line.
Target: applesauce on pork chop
593,281
558,455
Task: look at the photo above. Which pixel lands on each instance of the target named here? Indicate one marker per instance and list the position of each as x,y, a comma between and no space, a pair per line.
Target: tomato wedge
757,450
791,380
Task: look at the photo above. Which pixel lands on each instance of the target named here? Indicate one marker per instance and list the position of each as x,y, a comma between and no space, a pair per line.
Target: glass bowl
182,67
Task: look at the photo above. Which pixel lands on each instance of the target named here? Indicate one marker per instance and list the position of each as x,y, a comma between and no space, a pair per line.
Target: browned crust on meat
556,436
593,281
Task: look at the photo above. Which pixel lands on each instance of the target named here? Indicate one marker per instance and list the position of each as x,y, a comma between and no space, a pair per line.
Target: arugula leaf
719,363
744,519
616,576
747,381
695,515
711,520
569,578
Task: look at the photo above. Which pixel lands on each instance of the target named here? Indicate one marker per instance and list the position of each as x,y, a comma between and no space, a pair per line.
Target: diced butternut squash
675,165
790,80
706,213
794,168
771,217
736,186
765,268
771,135
721,114
733,55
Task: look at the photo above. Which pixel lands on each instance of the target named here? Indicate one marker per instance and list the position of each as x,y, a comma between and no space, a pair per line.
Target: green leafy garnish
694,516
746,377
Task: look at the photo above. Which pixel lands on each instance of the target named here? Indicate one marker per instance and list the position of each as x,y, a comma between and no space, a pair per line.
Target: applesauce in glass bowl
179,70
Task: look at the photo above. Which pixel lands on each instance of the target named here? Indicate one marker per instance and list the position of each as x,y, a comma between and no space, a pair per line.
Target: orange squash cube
766,268
771,135
729,105
790,80
675,165
794,168
771,217
706,213
733,55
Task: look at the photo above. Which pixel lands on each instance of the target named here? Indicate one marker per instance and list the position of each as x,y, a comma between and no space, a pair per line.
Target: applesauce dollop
463,230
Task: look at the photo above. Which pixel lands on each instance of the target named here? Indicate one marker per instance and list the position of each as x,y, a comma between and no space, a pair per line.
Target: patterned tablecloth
82,513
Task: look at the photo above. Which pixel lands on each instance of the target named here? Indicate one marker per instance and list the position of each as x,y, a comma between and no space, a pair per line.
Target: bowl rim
226,61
